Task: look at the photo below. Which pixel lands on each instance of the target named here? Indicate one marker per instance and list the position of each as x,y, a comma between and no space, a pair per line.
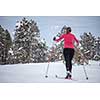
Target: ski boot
68,75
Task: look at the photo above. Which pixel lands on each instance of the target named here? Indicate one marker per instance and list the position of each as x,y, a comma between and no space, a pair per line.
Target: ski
61,77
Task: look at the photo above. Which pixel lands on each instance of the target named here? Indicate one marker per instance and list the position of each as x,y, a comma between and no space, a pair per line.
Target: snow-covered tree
27,45
40,53
52,54
88,44
97,49
79,57
89,49
10,56
5,43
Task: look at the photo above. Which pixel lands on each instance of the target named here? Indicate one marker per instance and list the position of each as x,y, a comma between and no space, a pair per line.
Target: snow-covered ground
35,73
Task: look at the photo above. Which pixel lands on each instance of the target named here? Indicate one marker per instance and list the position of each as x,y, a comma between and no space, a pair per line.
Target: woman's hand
54,38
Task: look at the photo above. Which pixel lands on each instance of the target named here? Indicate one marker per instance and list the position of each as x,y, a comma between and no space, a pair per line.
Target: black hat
69,29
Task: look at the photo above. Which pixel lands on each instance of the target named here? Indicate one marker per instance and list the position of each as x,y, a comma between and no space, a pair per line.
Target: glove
54,38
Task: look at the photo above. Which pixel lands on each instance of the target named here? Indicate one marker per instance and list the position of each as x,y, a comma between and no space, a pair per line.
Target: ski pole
85,72
46,75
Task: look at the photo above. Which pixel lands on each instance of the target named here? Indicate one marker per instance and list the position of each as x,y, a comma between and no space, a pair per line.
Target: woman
68,50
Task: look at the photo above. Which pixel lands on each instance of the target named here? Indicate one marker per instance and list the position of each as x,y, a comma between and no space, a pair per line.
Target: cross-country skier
68,50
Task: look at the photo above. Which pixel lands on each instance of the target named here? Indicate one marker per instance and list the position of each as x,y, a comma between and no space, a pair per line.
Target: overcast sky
50,25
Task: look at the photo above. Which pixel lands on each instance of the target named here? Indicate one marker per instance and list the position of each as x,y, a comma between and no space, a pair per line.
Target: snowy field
35,73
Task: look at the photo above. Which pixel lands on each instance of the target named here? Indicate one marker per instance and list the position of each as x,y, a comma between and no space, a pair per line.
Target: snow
20,48
11,51
35,73
18,24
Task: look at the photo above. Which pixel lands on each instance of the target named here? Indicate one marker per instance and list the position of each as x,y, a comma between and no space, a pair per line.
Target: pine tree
88,44
97,49
79,57
27,46
89,49
5,44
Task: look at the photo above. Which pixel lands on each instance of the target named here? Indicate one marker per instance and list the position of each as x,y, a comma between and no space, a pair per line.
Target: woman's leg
70,59
66,57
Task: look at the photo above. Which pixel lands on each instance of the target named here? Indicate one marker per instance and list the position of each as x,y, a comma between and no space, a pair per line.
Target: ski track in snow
35,73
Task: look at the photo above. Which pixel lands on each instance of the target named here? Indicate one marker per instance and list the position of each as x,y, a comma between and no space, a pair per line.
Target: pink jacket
69,40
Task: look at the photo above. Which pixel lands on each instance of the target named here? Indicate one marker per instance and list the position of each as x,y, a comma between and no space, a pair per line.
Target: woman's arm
77,41
60,38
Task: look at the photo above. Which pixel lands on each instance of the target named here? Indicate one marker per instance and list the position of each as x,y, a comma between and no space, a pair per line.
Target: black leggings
68,56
